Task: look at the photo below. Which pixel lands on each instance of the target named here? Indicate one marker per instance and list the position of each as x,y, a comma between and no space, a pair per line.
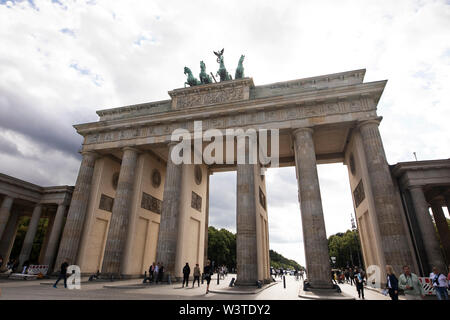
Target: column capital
90,153
132,149
362,123
298,130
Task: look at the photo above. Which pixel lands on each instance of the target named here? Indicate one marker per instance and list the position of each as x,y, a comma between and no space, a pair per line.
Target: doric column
314,234
206,219
5,212
427,230
121,211
246,238
168,230
29,236
68,248
394,241
442,226
7,241
55,233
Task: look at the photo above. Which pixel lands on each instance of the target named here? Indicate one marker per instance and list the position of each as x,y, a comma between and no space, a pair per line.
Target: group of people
411,286
299,274
351,276
11,265
207,273
222,271
155,273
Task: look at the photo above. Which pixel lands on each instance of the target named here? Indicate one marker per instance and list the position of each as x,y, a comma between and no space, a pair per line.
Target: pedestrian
207,271
392,283
301,274
196,275
156,272
62,274
161,272
151,272
25,266
352,276
409,283
186,273
359,282
440,284
347,275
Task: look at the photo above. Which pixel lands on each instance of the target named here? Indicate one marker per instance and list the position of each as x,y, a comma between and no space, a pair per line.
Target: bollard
284,281
168,279
218,278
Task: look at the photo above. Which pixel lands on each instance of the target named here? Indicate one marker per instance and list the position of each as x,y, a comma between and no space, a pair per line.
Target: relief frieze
287,113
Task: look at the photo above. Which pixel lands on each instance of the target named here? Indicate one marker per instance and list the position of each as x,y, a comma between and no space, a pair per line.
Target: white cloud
60,62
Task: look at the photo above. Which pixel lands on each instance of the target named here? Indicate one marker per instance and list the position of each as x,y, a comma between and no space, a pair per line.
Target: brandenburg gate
133,205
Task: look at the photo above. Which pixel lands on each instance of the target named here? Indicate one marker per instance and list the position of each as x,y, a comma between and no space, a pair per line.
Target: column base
319,286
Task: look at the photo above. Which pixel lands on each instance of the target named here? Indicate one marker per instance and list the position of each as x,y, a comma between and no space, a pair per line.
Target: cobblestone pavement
133,289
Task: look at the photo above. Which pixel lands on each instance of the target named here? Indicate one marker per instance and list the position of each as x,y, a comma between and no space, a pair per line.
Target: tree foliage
222,247
222,250
278,261
37,242
345,247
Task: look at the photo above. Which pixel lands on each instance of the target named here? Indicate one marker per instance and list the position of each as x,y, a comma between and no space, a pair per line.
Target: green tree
37,242
222,250
346,248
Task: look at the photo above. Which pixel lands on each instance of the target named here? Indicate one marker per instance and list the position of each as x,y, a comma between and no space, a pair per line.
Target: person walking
151,272
156,273
359,282
161,272
207,270
301,274
392,283
196,275
440,284
62,274
186,273
409,283
352,276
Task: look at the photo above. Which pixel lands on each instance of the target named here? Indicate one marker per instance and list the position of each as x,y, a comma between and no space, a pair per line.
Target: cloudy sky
60,61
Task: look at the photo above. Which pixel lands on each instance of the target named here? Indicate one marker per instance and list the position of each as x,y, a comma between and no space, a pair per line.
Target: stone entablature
19,189
422,173
349,103
232,91
305,84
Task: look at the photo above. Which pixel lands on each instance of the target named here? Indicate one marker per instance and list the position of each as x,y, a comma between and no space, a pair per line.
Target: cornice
371,89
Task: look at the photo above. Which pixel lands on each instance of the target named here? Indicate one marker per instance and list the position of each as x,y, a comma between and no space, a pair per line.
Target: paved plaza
135,290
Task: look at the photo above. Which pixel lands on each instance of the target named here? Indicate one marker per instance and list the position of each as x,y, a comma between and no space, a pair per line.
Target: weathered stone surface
5,212
392,229
118,226
55,233
314,234
443,229
246,238
68,248
29,237
430,241
168,231
8,238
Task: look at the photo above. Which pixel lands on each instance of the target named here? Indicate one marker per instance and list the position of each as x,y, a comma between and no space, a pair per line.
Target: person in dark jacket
207,271
186,273
62,274
392,283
